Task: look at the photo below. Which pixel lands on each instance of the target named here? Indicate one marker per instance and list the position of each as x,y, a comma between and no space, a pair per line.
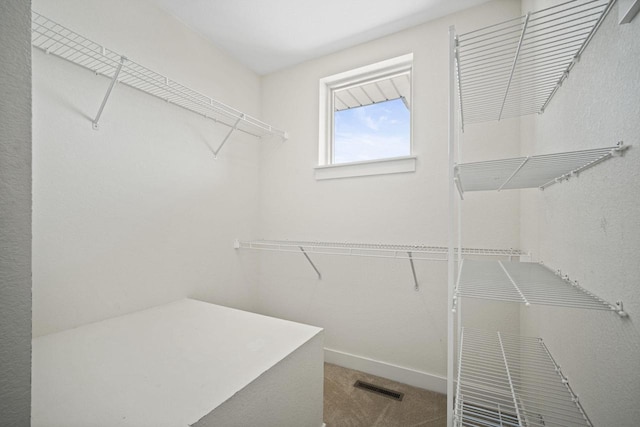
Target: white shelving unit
375,250
539,171
511,69
509,380
515,67
524,282
55,39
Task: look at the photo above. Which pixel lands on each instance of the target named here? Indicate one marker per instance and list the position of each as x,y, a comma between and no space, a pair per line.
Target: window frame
353,78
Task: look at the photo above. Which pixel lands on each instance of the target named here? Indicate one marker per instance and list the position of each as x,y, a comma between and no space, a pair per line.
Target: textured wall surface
138,213
368,307
15,213
589,226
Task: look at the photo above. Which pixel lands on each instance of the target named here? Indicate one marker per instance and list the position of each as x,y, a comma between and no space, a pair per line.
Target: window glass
372,132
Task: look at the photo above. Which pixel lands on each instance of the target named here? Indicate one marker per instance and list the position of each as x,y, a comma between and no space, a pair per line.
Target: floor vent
379,390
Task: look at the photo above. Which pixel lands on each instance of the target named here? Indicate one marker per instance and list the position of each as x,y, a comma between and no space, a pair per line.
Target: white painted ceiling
268,35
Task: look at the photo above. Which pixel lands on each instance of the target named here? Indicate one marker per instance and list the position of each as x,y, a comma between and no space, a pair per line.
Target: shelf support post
459,74
451,224
311,262
106,96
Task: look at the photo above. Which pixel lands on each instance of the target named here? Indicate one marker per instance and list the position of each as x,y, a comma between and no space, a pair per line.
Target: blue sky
372,132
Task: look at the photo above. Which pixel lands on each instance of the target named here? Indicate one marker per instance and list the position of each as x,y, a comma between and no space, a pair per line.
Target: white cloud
358,147
366,119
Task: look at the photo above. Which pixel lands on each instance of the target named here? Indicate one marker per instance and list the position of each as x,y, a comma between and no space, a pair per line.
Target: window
365,118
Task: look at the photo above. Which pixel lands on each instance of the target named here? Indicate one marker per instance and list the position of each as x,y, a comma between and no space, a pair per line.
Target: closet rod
376,250
513,67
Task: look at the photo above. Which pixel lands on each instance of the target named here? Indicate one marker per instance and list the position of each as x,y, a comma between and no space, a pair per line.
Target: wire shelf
422,252
524,282
529,172
515,67
60,41
509,380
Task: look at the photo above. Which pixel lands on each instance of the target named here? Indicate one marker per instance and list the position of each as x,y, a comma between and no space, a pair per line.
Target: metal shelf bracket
226,138
237,245
311,262
413,270
620,309
106,96
515,62
620,149
458,185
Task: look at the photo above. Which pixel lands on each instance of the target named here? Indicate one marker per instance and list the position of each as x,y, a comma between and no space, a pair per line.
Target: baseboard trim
386,370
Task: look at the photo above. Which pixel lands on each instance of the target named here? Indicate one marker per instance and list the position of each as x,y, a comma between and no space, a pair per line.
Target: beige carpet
347,406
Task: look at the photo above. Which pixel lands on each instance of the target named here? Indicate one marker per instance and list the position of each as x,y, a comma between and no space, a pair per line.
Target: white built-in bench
181,364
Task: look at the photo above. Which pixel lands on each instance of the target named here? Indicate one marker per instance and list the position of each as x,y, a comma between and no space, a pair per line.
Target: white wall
138,213
15,213
368,306
589,225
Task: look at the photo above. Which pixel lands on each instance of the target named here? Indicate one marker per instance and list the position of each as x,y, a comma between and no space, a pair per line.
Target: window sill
367,168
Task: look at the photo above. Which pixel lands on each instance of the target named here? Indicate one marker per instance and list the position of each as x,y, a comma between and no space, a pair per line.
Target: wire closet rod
56,39
377,250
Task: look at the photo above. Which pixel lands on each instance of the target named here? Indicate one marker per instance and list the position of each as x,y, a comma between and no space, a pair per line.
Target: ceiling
268,35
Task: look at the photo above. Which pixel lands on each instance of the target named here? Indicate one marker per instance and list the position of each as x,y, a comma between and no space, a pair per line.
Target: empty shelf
508,380
524,282
515,67
529,172
433,253
57,40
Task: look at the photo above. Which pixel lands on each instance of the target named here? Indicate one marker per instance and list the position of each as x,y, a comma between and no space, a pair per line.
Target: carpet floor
347,406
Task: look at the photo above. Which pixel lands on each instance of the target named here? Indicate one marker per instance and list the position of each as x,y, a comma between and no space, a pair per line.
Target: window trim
384,166
356,76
